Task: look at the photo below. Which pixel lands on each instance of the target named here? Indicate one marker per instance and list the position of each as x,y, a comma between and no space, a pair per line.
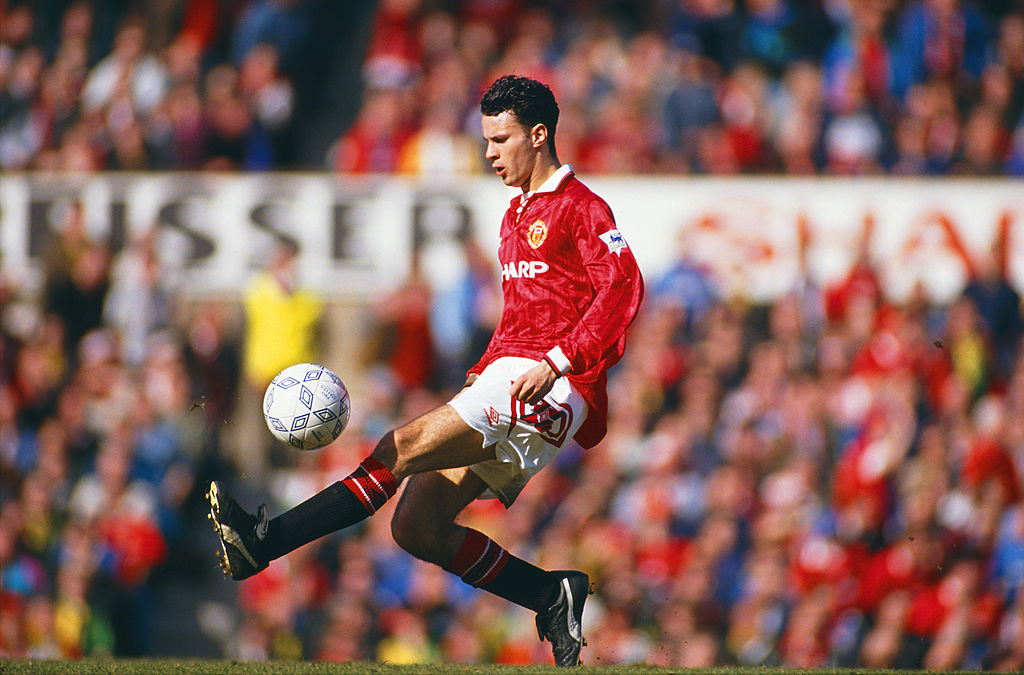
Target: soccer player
571,288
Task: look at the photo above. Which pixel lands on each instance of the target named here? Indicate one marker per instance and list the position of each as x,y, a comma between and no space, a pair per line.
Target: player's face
511,149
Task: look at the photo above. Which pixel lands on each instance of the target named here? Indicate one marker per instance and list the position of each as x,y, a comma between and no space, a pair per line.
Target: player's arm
619,289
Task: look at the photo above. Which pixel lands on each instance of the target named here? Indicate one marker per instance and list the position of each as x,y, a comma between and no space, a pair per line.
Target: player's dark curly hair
531,101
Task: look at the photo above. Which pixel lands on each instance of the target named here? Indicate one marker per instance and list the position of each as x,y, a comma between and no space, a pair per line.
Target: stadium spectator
374,143
710,28
999,307
439,147
76,277
406,342
129,71
689,107
283,24
778,32
283,323
394,55
940,39
138,302
269,94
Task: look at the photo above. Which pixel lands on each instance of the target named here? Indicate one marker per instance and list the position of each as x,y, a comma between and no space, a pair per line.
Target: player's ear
539,135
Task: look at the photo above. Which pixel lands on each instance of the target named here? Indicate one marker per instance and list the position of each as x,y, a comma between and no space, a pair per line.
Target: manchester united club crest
537,233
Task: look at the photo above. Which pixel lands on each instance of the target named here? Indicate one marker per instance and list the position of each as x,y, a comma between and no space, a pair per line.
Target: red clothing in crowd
860,281
861,480
987,461
137,543
899,567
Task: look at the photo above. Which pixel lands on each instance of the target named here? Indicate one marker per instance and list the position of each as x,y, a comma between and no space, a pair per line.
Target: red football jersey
571,287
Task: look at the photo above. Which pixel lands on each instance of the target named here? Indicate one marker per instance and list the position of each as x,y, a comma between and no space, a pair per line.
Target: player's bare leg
424,520
439,439
424,525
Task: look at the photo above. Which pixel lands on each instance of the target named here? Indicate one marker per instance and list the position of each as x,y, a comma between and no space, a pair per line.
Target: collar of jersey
550,185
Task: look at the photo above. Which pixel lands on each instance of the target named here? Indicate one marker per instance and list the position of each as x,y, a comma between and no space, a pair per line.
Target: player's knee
405,439
400,448
386,450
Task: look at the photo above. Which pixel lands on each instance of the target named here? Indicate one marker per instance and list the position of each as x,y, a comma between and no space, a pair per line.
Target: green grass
217,667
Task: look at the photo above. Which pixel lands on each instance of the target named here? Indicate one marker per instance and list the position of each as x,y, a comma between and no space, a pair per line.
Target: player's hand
533,385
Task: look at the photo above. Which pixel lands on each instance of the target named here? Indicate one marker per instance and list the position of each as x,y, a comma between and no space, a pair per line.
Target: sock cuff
372,483
479,559
382,473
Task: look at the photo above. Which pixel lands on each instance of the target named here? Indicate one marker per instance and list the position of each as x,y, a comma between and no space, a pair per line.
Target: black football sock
482,563
340,505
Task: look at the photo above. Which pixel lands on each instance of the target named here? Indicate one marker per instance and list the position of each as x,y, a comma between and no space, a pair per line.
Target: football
306,406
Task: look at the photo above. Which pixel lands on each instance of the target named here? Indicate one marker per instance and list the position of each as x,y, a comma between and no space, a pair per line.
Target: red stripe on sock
479,559
469,554
353,483
496,563
382,474
372,483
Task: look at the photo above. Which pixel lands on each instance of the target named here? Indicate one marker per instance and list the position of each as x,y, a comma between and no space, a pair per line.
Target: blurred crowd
133,86
831,478
922,87
110,413
905,87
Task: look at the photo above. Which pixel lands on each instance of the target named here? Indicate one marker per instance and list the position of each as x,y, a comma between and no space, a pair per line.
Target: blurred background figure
283,322
138,302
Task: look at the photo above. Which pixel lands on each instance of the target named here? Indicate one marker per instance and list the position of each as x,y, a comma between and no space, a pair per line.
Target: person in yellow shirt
282,320
282,327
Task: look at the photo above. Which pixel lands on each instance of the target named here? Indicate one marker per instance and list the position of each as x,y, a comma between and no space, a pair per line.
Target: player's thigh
424,520
439,439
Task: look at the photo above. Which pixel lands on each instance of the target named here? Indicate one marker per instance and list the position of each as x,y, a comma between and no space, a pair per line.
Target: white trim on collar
555,179
550,185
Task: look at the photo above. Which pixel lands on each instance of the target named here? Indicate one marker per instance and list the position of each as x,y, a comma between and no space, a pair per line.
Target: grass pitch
219,667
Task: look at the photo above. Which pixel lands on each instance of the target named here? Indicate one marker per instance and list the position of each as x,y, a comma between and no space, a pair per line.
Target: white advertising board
357,235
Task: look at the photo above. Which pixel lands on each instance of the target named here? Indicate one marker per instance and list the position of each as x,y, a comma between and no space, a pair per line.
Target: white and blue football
306,406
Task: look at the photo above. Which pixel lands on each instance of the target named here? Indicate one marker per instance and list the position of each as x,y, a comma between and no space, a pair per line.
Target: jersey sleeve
619,288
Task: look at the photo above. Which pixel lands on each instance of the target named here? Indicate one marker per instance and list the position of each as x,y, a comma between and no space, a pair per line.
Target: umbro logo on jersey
523,269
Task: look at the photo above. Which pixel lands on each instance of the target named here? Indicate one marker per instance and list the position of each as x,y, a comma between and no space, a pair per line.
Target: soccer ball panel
306,406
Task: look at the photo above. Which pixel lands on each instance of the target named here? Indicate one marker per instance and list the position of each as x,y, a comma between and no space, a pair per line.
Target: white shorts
525,437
